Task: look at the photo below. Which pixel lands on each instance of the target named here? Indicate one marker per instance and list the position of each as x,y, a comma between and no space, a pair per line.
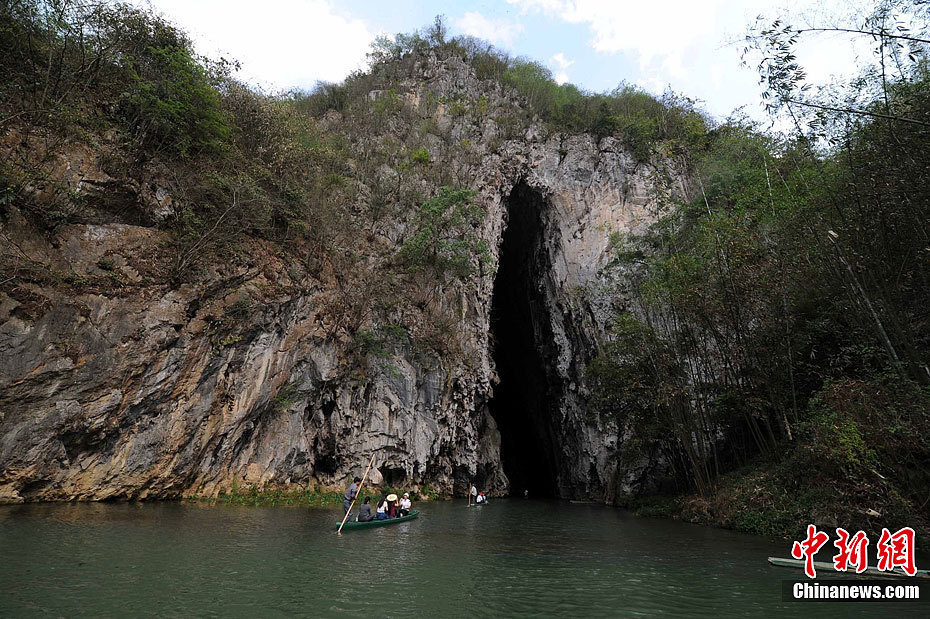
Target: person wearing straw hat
392,505
405,504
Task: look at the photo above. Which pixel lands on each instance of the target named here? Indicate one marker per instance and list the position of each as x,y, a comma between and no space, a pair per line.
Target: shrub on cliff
445,238
641,120
170,105
61,54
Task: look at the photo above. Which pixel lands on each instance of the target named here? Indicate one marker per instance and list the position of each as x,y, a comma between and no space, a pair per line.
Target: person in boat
382,509
364,512
349,496
392,505
481,498
474,493
405,504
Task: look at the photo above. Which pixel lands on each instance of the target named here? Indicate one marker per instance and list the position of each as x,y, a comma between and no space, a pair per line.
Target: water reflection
513,557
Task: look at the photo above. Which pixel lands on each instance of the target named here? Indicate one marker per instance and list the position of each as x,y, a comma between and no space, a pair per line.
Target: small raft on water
354,524
822,565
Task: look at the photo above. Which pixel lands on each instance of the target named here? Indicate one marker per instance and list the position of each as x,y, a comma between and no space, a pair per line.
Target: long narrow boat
354,524
828,567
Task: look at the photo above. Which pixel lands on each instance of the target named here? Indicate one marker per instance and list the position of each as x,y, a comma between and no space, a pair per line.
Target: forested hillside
782,313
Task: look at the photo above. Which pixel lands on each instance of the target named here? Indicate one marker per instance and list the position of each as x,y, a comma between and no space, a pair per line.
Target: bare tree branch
845,110
871,33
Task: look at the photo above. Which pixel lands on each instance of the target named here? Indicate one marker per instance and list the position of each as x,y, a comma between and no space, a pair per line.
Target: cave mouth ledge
524,403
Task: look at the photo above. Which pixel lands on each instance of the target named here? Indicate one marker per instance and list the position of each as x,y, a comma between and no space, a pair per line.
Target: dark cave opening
522,348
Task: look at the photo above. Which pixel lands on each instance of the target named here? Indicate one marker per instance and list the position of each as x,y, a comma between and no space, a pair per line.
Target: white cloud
687,43
623,25
281,44
562,61
652,84
498,31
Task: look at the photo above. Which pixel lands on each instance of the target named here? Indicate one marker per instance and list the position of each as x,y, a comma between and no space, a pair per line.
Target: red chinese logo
897,550
894,550
808,548
851,551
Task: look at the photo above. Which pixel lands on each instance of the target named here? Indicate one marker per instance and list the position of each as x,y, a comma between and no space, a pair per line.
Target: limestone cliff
141,389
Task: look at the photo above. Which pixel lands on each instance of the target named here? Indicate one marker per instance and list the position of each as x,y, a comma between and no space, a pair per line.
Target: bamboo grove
780,315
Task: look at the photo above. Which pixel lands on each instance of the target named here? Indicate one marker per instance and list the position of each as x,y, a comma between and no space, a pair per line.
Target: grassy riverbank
858,460
319,496
779,497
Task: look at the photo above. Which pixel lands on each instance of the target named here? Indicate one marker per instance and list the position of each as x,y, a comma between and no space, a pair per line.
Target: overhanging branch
846,110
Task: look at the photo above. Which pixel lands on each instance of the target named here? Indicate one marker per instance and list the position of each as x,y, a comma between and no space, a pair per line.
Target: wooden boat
354,524
828,568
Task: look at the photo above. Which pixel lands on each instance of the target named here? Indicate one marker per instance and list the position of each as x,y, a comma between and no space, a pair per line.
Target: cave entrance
522,349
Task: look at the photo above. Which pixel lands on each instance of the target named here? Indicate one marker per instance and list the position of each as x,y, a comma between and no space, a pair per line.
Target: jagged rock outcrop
144,390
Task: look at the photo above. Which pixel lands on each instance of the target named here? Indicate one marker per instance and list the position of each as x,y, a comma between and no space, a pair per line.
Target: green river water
512,557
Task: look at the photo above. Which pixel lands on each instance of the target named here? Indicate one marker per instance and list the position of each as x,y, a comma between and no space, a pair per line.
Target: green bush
171,105
325,96
61,54
420,156
446,238
106,264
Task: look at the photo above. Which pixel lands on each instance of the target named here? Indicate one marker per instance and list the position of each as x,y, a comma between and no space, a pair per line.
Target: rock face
145,393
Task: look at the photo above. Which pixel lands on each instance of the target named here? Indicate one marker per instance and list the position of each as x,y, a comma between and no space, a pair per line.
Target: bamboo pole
357,494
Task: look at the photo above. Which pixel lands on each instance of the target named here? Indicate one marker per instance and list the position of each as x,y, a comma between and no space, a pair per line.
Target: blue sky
687,46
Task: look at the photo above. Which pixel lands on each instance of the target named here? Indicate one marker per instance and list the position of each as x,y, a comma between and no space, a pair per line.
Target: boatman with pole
350,494
352,491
